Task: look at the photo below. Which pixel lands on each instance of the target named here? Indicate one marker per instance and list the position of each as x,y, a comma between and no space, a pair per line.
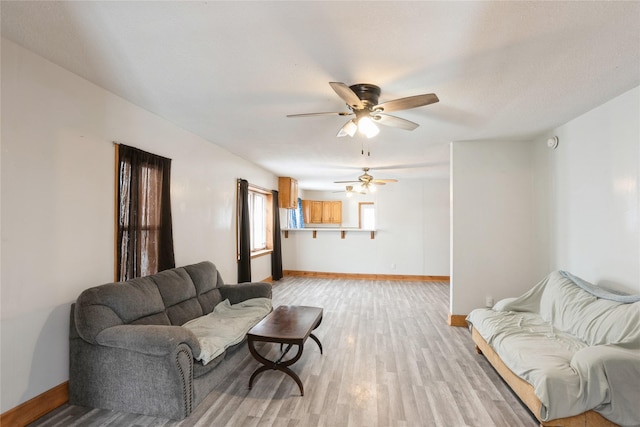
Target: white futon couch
570,350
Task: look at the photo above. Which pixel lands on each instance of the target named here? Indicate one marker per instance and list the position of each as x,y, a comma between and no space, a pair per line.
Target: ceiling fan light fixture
349,129
372,188
367,127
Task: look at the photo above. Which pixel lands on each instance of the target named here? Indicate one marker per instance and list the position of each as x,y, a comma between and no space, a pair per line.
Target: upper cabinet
322,212
287,193
332,212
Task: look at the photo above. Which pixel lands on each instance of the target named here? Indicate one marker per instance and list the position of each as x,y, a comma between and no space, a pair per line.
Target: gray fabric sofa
129,352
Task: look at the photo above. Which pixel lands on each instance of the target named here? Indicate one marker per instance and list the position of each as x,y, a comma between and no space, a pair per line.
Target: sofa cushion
207,279
204,275
209,300
175,286
179,295
114,304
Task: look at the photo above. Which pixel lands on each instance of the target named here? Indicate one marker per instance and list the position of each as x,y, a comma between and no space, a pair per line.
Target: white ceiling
231,71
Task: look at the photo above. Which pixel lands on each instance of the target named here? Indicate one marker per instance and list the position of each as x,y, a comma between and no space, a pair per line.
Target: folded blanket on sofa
226,325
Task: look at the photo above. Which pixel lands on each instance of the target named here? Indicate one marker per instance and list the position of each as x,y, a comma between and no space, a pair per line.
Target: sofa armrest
244,291
155,340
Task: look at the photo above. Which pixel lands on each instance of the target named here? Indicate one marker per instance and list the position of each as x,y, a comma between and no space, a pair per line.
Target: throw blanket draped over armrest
226,325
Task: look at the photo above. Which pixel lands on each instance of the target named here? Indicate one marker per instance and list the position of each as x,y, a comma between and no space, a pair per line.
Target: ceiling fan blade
347,95
349,129
342,113
407,103
345,182
393,121
383,181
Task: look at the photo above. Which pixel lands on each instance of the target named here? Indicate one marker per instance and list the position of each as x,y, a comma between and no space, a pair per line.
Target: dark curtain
145,234
276,255
244,232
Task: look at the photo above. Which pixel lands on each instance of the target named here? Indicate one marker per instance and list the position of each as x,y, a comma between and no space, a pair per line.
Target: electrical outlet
488,301
393,265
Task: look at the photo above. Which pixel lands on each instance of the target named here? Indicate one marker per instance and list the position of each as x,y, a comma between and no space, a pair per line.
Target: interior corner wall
412,233
589,188
493,250
57,213
520,210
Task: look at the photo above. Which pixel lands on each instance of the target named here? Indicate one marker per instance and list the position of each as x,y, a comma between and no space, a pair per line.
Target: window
260,204
258,216
366,216
144,238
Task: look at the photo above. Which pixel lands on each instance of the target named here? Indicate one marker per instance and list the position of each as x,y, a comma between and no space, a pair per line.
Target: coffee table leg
313,337
276,365
255,374
293,375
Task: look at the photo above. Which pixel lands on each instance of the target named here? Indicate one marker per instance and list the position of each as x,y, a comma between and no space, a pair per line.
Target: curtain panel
244,232
145,233
276,255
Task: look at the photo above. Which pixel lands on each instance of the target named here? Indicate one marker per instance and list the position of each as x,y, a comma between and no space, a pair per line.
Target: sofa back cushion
179,295
207,279
136,301
593,320
170,297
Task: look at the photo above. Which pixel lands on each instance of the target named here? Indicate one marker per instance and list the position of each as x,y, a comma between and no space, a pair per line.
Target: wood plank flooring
390,359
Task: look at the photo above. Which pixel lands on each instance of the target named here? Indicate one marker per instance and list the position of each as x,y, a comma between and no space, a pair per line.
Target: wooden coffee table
287,325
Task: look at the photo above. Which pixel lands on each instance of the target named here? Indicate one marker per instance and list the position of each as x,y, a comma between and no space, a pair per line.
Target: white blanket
579,352
226,325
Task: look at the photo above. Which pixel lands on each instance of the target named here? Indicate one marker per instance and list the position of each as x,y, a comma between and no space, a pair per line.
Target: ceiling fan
362,100
350,190
366,182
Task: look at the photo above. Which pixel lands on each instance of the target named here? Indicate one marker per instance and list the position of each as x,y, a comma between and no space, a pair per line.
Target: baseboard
401,277
35,408
457,320
268,279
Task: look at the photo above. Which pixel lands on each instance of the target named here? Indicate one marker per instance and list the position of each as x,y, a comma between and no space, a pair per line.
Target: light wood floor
390,360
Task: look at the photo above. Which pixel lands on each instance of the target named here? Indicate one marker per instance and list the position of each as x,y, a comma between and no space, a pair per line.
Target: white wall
520,210
589,187
493,252
57,210
412,222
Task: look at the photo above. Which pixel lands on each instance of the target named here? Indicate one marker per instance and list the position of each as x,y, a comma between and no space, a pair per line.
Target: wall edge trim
365,276
36,407
459,320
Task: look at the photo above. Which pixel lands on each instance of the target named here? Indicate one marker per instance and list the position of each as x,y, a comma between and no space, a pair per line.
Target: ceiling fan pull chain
368,152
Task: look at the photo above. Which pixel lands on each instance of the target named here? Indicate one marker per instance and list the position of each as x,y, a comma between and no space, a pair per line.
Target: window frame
360,214
268,222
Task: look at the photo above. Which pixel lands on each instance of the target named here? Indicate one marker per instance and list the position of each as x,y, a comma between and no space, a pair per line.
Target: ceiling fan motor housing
367,93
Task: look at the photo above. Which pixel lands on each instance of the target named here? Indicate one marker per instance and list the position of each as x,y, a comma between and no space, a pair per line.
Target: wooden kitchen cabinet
332,212
312,211
287,193
322,212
